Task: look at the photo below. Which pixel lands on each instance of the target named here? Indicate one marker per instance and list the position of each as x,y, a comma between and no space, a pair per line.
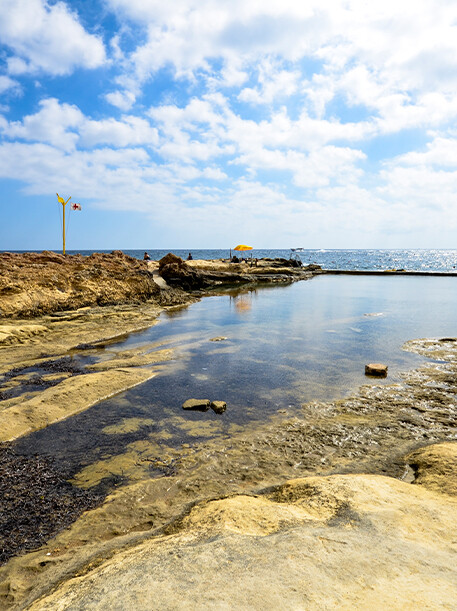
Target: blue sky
206,123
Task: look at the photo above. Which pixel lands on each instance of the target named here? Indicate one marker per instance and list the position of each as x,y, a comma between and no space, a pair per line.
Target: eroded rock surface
343,541
32,284
389,529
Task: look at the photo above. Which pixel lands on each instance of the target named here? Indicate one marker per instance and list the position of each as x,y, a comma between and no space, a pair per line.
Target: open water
358,259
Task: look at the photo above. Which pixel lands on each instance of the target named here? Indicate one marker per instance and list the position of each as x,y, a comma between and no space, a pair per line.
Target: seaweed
37,502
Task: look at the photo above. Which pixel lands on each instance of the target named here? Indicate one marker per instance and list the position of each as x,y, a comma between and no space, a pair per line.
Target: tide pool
284,346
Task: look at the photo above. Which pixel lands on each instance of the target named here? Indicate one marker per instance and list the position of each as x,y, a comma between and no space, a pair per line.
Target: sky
207,123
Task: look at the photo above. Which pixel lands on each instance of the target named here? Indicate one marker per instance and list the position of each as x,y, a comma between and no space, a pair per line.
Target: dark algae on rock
36,502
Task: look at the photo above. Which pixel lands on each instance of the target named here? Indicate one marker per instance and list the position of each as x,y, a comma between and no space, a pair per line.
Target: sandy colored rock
218,407
376,369
201,405
369,432
36,283
344,541
20,333
71,396
396,538
435,467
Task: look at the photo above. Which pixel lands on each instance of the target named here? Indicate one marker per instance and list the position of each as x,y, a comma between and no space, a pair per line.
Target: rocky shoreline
376,481
36,284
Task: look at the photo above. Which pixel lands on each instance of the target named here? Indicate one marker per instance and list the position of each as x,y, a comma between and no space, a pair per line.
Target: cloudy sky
205,123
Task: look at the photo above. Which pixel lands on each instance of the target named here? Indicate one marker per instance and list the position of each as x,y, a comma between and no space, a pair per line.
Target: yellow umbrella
242,247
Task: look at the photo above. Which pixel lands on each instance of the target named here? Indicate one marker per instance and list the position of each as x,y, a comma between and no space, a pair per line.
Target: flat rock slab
200,405
376,369
337,542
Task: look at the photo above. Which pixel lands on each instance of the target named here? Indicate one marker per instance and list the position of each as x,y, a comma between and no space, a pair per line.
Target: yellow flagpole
64,203
63,227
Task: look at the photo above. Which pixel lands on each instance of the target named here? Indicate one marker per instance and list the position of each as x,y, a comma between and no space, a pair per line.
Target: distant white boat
297,249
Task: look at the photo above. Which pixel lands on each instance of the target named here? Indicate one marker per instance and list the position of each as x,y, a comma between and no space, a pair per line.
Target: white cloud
123,100
52,124
47,38
380,54
9,84
274,84
65,126
441,152
130,131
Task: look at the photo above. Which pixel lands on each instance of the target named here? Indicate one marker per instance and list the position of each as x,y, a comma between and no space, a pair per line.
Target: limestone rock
218,406
435,467
376,369
201,405
337,542
32,284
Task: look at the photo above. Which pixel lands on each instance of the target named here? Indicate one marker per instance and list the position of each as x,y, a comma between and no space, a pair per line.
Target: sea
429,260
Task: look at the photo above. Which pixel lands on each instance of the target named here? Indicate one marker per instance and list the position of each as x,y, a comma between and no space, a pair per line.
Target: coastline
380,430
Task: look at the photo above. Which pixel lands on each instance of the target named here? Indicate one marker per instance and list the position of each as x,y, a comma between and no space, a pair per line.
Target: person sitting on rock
146,257
189,257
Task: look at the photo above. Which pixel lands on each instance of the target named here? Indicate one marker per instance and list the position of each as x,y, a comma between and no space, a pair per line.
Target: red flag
75,206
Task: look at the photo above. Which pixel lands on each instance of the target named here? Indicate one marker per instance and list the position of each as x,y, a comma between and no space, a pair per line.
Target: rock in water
376,369
218,406
201,405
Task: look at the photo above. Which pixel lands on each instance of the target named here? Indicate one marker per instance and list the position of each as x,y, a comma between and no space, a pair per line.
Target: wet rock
218,407
201,405
37,501
376,369
220,338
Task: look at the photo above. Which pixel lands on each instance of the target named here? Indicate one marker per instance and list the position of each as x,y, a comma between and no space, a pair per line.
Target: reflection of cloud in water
225,350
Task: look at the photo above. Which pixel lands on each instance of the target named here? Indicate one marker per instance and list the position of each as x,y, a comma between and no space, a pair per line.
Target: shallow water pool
284,346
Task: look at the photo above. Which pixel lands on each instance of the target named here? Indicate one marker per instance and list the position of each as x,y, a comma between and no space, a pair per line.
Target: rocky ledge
33,284
203,274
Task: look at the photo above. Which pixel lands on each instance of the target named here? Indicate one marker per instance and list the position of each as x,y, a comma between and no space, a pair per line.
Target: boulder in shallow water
200,405
376,369
218,406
